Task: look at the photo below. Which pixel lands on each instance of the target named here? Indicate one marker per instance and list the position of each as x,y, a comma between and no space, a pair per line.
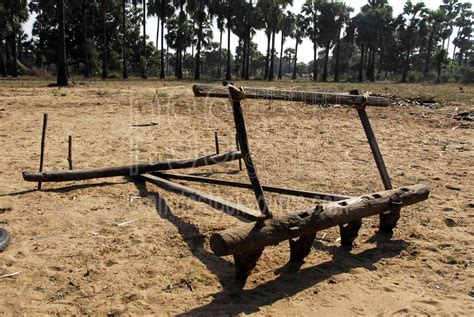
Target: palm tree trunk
87,74
249,57
267,59
3,67
157,42
179,60
361,65
271,75
406,68
228,75
326,62
14,69
280,75
372,65
296,60
162,57
105,74
439,67
144,63
197,70
338,49
315,61
62,79
124,40
220,53
243,57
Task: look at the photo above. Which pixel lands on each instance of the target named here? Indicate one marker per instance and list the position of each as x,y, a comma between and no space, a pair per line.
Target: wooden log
270,189
250,237
218,203
129,170
235,94
43,142
315,98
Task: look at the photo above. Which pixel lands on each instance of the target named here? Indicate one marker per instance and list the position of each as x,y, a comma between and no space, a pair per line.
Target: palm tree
179,48
143,60
342,18
276,13
287,25
311,10
229,22
411,14
18,13
298,34
62,79
198,13
217,9
163,9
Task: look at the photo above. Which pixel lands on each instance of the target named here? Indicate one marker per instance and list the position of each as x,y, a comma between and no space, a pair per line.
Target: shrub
467,75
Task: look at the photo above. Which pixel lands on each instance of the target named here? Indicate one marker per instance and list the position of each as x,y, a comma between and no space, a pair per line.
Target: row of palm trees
381,39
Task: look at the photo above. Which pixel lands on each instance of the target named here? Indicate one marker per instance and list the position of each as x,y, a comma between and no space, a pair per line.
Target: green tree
465,24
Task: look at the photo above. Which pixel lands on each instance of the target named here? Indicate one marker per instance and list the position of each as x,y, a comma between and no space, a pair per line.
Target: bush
414,77
467,75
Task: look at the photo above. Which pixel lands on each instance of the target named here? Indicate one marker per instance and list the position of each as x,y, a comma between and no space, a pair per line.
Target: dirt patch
74,259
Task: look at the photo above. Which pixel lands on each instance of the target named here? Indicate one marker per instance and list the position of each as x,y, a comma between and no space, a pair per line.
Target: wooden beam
235,94
129,170
270,189
315,98
251,237
218,203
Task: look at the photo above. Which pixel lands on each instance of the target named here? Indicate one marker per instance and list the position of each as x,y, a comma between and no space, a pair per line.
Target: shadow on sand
290,280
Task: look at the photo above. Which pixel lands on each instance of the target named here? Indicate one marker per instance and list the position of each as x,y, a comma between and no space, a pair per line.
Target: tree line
108,38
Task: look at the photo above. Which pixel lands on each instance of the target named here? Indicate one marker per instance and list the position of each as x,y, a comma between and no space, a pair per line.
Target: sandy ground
74,259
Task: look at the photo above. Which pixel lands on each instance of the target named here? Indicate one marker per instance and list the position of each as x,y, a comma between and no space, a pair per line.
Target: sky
305,50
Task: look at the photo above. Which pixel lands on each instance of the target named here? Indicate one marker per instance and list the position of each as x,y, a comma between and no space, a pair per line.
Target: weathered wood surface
234,95
316,98
270,189
43,142
129,170
251,237
218,203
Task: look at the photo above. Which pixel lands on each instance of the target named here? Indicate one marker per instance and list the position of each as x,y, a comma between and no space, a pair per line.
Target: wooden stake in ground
69,152
216,139
43,142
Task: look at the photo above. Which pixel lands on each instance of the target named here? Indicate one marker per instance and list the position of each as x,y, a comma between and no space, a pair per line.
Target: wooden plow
261,228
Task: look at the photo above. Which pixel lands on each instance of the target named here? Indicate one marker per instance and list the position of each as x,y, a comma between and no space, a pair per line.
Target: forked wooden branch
316,98
250,237
129,170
